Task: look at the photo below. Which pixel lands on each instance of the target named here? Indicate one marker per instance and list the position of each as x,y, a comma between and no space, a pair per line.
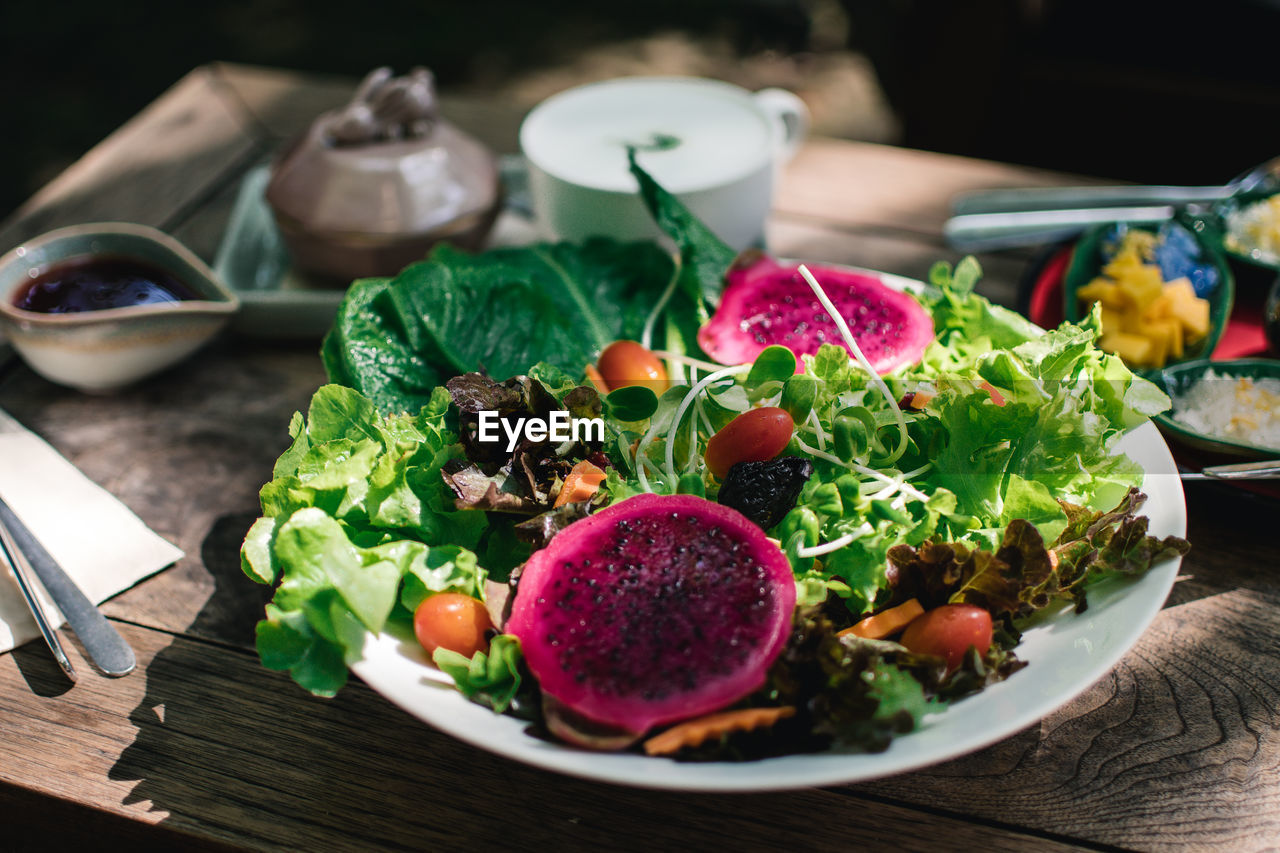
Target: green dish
1178,378
1087,262
1213,226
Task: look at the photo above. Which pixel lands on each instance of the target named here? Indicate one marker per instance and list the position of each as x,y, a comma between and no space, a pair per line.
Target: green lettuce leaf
1062,405
397,339
1024,574
846,689
491,678
356,523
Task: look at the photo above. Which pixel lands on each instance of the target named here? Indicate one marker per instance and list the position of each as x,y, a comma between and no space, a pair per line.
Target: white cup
716,146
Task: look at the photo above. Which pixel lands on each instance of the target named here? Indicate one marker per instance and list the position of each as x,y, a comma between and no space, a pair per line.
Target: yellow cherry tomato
453,621
626,363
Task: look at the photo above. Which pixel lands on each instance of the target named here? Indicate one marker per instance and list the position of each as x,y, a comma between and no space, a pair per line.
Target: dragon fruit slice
768,303
655,609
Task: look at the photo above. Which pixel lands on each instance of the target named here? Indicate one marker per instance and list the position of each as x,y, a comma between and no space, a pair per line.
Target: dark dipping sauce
94,284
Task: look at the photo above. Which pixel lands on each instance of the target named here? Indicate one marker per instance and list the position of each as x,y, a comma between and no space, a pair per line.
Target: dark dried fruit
765,491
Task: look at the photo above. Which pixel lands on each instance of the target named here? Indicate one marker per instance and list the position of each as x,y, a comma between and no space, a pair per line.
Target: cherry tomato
753,436
948,632
451,620
626,363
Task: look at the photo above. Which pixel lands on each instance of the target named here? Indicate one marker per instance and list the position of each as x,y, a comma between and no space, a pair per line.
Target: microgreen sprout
646,336
852,343
702,384
836,544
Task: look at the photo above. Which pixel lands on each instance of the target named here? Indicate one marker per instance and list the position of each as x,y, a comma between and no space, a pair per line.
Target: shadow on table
233,753
40,670
230,751
1224,526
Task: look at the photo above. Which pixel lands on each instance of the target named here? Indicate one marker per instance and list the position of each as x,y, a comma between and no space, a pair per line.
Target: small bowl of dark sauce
100,306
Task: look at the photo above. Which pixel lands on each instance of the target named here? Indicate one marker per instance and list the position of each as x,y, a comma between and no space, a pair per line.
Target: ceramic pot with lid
373,186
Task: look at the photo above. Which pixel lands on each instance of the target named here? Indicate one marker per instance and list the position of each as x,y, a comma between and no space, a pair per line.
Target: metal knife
102,643
22,574
1266,469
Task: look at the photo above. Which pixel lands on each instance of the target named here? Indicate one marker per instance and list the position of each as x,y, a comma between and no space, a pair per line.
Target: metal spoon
1068,198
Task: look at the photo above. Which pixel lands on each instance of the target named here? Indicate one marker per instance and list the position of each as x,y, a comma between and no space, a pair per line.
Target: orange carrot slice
888,622
698,731
583,482
915,400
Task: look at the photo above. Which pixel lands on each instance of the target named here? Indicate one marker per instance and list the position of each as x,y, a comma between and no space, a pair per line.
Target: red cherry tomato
451,620
753,436
626,363
948,632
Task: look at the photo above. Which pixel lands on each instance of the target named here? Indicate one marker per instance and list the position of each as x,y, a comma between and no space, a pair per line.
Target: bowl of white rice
1230,407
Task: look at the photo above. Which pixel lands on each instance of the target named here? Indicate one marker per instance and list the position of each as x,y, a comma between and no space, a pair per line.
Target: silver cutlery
1002,219
1066,198
1266,469
102,643
22,572
983,232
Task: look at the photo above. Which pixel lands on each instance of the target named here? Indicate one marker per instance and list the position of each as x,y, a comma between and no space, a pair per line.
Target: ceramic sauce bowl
107,348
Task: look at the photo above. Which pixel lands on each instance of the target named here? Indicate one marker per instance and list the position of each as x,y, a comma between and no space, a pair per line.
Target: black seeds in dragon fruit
697,580
767,303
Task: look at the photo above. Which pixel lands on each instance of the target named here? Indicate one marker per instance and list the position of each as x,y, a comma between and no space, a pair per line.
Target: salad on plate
701,506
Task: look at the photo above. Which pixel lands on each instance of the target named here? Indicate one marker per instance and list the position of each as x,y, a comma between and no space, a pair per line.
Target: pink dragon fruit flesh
767,303
655,609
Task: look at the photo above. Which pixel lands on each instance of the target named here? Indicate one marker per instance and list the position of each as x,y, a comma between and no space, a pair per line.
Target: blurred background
1139,90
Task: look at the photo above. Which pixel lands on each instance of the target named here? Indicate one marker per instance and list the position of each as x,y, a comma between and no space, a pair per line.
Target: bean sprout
835,544
818,433
849,340
718,375
862,469
646,336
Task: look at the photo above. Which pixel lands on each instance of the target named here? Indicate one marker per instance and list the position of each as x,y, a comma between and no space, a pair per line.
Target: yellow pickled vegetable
1145,320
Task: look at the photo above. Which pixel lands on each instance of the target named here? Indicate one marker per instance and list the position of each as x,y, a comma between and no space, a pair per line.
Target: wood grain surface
202,748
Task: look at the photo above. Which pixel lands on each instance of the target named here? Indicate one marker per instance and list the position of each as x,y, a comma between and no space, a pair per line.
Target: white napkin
100,543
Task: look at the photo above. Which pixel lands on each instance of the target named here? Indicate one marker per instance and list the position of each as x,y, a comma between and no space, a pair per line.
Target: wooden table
1179,746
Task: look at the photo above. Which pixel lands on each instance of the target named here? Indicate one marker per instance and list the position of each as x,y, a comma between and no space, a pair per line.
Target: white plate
1066,654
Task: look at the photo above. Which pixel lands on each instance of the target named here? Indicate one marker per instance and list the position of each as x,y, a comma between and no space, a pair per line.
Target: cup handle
790,114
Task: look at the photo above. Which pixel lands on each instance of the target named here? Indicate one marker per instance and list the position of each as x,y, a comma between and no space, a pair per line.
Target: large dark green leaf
502,310
367,350
704,257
